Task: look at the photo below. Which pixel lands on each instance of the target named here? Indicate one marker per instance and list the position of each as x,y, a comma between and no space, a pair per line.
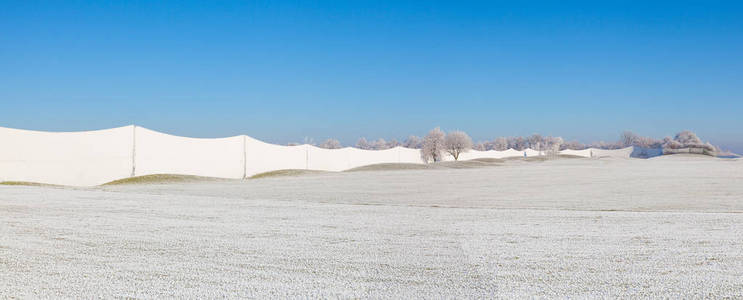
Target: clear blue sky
281,71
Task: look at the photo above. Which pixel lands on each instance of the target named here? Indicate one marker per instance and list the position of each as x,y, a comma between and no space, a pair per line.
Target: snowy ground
664,227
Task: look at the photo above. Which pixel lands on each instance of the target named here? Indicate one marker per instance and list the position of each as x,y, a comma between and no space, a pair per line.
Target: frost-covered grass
392,167
25,183
463,164
666,228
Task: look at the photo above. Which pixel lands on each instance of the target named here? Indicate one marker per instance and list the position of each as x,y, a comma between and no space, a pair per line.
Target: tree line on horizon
436,138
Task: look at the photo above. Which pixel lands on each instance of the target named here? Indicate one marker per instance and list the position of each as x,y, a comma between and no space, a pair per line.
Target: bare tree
363,144
480,146
331,144
413,142
433,146
456,143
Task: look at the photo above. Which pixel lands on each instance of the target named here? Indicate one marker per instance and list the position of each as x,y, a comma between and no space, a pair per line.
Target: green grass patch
162,178
468,164
286,172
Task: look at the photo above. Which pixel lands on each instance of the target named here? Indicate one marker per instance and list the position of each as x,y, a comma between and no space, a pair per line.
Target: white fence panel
160,153
264,157
329,159
581,153
410,156
66,158
359,157
618,153
531,152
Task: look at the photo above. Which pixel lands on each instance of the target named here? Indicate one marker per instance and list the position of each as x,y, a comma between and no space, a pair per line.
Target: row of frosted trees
433,146
436,143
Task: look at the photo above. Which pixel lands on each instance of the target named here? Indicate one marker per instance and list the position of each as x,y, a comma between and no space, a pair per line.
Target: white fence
68,158
96,157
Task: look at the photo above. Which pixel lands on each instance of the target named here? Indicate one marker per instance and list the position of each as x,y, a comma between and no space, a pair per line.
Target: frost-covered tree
712,148
628,138
553,143
456,143
393,143
433,145
648,142
653,143
363,144
604,145
500,144
573,145
379,144
536,142
687,138
480,146
669,143
413,142
330,144
517,143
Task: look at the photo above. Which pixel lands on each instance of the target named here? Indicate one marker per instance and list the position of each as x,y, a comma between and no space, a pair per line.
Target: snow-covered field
664,227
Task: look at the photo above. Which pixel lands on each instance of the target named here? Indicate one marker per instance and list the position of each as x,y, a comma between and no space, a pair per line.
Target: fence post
245,157
134,150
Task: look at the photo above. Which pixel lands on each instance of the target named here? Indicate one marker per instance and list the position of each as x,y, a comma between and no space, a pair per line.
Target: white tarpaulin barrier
531,152
160,153
66,158
618,153
361,157
581,153
349,158
329,159
96,157
408,155
263,157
